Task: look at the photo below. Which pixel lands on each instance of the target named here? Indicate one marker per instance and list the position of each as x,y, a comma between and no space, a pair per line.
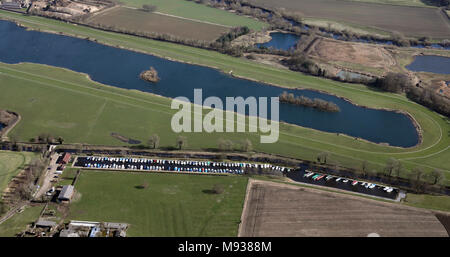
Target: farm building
65,159
66,193
46,224
94,229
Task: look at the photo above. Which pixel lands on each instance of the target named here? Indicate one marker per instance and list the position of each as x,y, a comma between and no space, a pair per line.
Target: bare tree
225,144
398,169
247,145
416,177
154,141
323,157
391,164
364,167
437,176
181,142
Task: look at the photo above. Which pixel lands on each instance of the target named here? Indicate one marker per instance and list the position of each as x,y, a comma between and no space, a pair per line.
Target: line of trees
25,183
399,83
315,103
416,179
47,138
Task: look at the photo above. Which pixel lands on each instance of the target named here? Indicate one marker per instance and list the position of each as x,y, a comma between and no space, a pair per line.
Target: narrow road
49,173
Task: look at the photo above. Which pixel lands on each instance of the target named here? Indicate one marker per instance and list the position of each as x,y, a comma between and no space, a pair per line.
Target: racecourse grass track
410,21
16,224
281,210
137,20
294,141
171,205
191,10
41,96
436,202
11,163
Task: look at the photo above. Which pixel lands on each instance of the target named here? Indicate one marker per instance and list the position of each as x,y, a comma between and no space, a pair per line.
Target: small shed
47,224
66,193
65,159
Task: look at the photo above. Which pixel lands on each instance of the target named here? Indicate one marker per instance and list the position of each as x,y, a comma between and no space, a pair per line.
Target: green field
441,203
11,163
191,10
137,20
19,221
172,205
108,109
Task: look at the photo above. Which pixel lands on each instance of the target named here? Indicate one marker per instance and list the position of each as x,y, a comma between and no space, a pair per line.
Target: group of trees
47,138
394,82
308,102
23,190
419,180
399,83
182,142
149,8
430,99
300,62
228,145
323,157
417,177
233,34
153,141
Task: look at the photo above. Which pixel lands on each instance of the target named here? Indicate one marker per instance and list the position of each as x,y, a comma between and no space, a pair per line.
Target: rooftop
66,193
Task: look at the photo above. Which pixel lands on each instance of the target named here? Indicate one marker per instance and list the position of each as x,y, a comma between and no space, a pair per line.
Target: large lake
430,63
121,68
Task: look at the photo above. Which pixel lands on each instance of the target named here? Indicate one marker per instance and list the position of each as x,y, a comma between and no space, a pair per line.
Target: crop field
137,20
191,10
11,163
171,205
410,21
282,210
48,91
419,3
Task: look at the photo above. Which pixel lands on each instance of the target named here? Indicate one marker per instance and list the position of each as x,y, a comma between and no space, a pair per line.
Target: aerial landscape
225,118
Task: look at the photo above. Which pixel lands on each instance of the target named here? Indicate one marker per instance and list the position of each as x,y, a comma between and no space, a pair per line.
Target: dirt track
273,209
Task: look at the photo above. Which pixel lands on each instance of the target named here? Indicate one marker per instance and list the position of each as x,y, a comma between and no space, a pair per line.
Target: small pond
430,63
281,41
